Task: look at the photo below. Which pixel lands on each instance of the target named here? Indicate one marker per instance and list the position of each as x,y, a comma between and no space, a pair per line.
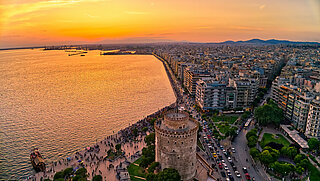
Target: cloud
19,9
261,7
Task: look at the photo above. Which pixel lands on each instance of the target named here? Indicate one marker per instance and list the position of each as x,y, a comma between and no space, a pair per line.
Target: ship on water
37,161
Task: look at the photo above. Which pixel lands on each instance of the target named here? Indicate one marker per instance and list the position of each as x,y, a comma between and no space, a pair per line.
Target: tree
290,152
145,129
135,132
298,158
254,152
153,166
313,144
58,175
252,141
269,114
168,174
97,178
150,139
282,168
299,170
67,172
151,177
118,147
152,121
252,132
266,157
82,172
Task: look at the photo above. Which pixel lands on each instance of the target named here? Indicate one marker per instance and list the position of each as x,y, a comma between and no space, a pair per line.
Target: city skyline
55,22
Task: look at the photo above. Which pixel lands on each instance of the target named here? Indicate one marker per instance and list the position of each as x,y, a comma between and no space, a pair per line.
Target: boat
82,55
37,161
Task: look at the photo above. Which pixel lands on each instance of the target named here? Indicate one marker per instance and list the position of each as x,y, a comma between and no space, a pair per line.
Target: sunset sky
56,22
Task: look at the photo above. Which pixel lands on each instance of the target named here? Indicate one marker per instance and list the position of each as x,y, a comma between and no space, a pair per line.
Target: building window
175,143
182,142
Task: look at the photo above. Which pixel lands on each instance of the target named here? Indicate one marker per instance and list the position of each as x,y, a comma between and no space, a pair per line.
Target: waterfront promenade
94,158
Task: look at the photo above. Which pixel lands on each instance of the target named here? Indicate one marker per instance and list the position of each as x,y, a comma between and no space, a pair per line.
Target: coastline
94,158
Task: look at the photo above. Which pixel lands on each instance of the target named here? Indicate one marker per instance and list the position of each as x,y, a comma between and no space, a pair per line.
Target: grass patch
135,170
268,137
228,119
223,128
314,173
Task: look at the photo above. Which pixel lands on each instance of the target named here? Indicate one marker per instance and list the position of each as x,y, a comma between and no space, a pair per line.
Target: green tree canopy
313,143
58,175
97,178
269,114
118,147
150,139
282,168
82,172
252,132
290,152
168,174
252,141
266,157
67,172
254,152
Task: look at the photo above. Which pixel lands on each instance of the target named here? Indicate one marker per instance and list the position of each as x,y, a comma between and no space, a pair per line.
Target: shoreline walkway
94,158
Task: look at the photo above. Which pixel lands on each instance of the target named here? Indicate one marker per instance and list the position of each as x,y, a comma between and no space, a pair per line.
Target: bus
247,123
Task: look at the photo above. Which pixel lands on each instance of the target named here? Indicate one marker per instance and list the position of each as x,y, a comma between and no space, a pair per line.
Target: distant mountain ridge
267,42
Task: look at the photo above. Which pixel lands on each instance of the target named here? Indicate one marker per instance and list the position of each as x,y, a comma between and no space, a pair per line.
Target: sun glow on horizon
47,22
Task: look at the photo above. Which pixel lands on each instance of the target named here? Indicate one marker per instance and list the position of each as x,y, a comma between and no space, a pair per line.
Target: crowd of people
95,158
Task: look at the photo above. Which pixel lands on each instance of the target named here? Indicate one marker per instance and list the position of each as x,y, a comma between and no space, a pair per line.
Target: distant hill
266,42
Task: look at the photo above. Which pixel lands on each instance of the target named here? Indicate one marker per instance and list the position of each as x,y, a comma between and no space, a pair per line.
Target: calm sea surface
62,103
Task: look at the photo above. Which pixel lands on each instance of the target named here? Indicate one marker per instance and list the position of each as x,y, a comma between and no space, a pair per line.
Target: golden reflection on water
62,103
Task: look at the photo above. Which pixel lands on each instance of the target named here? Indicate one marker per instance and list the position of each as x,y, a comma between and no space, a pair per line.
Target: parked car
248,176
245,170
223,174
237,173
229,159
233,150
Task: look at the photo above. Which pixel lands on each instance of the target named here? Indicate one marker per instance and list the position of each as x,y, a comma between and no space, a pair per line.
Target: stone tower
176,141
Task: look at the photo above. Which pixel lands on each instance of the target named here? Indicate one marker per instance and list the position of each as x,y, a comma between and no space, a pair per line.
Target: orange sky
50,22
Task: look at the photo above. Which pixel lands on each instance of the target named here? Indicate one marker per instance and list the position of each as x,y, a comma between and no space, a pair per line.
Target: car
233,150
245,170
231,163
234,167
248,176
231,178
223,174
229,173
221,147
229,159
220,165
224,152
237,173
223,161
214,155
226,167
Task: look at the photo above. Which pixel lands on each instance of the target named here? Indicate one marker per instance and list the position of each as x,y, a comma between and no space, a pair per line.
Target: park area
135,171
224,118
277,138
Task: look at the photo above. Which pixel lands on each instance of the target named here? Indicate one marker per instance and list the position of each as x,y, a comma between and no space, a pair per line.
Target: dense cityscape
166,90
256,107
